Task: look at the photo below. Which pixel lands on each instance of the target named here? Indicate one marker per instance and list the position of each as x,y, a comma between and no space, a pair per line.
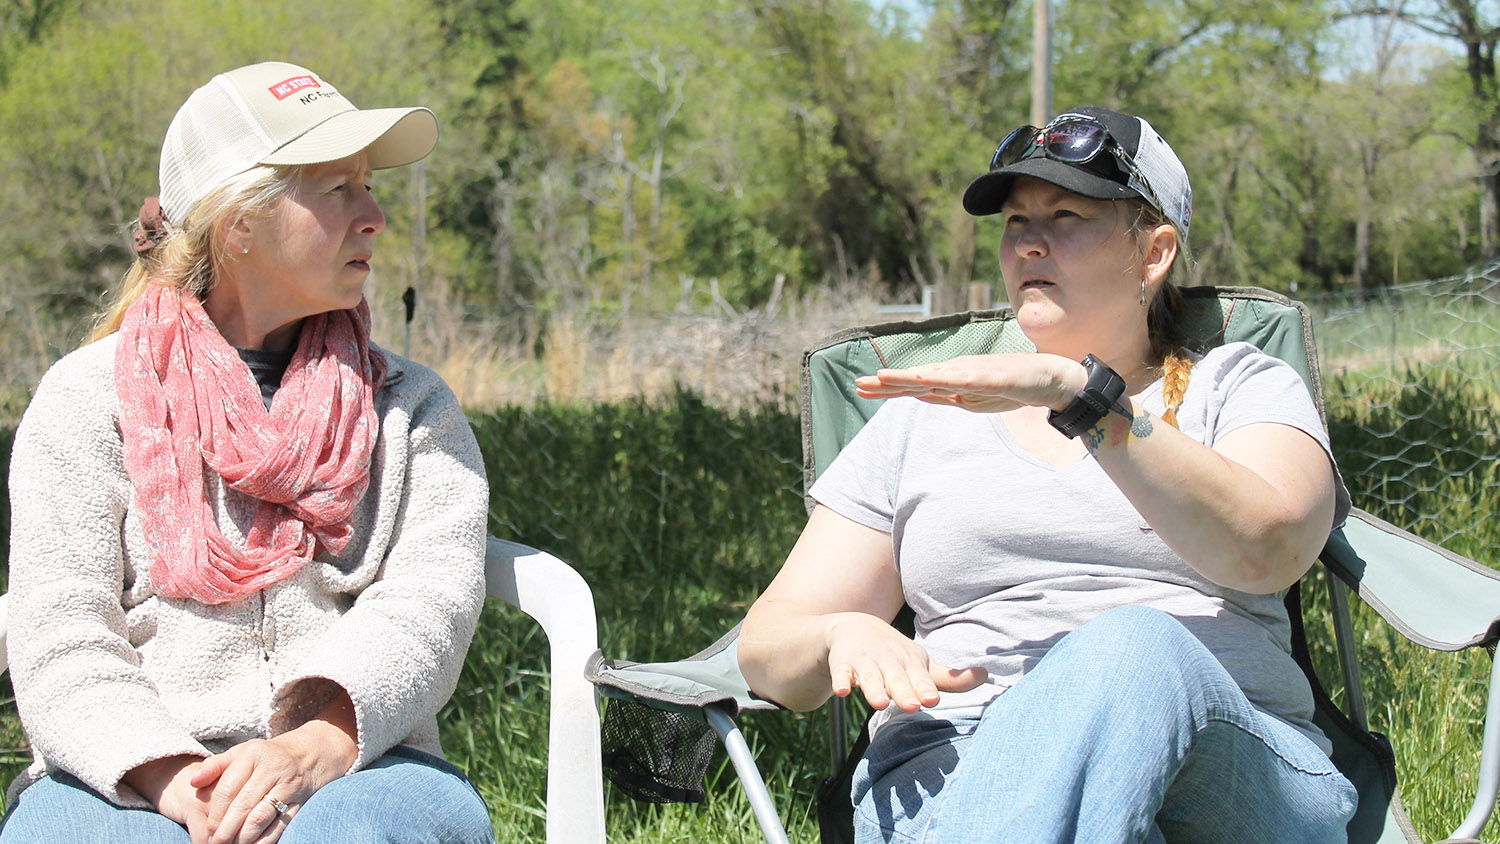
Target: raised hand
983,383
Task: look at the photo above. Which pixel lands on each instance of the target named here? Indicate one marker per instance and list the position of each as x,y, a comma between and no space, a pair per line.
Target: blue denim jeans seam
891,834
1272,746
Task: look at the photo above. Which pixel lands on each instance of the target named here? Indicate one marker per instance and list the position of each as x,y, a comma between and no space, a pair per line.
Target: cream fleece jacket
109,675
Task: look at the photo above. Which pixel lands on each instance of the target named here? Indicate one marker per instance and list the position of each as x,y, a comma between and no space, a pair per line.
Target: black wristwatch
1093,402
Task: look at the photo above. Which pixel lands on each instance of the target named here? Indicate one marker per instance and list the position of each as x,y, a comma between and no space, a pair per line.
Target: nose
370,220
1030,240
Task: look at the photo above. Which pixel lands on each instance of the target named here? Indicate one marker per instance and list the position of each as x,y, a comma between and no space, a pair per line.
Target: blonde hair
192,252
1164,315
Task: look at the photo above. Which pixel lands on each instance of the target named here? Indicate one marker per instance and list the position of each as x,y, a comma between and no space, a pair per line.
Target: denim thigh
898,781
60,809
404,797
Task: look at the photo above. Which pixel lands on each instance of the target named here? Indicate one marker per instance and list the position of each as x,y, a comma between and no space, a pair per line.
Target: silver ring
280,807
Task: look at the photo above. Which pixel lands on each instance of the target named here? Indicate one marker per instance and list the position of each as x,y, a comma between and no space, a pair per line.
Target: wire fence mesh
1412,380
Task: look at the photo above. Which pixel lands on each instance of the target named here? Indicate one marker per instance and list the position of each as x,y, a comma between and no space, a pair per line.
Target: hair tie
151,226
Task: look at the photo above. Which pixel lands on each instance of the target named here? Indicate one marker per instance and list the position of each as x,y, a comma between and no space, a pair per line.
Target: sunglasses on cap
1071,139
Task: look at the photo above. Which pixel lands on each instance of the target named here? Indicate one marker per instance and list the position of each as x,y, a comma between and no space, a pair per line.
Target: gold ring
280,807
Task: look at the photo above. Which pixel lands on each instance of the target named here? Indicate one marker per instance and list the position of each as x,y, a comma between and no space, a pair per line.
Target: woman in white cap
247,545
1095,540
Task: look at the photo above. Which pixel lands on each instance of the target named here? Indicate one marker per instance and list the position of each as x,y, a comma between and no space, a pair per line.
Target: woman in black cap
1094,538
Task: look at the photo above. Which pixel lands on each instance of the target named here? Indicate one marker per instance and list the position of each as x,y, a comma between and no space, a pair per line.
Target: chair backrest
832,414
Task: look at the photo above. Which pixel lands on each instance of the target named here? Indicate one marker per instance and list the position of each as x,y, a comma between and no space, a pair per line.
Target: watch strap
1102,392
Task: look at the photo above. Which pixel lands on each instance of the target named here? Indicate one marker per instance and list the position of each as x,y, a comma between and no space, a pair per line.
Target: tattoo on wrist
1118,426
1094,437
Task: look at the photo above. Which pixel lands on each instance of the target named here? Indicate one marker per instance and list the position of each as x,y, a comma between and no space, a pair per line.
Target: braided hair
1164,316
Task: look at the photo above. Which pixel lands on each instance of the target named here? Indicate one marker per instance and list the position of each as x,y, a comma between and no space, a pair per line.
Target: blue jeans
1129,730
404,797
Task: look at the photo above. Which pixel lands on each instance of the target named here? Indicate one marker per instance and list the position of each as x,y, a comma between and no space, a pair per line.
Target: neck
246,321
242,333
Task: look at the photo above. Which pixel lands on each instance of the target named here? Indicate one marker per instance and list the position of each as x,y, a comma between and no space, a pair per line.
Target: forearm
1224,519
783,653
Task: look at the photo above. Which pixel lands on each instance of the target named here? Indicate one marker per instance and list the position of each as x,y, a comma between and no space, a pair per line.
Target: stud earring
245,250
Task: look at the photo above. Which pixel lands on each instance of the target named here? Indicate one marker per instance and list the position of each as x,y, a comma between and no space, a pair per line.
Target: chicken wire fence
1411,375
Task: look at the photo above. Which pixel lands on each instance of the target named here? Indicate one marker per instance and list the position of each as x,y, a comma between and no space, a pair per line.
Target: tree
1470,25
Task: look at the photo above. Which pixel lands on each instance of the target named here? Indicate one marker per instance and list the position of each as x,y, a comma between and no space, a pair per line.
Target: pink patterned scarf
187,400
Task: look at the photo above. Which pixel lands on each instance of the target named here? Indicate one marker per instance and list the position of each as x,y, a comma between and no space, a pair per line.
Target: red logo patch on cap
282,90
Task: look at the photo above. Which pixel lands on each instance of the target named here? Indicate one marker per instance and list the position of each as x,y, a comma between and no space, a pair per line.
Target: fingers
273,832
985,383
843,679
235,771
907,684
239,810
209,771
266,821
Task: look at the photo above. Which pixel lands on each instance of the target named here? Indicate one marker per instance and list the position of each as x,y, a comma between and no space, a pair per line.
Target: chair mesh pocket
656,756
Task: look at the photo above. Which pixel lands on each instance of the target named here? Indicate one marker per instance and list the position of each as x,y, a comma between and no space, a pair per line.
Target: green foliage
595,155
1418,450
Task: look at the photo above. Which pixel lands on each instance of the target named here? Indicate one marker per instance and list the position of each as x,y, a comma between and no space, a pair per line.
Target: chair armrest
551,592
1432,596
710,677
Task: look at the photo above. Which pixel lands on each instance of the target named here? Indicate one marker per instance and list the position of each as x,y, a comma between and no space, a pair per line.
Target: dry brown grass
606,356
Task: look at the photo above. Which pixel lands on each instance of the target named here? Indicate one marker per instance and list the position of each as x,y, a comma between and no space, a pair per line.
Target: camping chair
551,592
660,717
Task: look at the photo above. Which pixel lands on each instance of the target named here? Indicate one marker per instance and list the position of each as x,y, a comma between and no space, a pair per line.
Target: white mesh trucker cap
277,113
1166,180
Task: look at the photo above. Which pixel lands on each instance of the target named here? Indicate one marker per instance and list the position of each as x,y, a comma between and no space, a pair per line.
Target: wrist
1100,395
151,779
1072,380
327,742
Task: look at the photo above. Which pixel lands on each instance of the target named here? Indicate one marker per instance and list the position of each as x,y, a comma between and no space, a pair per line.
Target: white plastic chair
550,591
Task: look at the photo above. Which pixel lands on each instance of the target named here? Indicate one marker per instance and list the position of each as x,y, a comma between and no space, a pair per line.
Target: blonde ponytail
192,252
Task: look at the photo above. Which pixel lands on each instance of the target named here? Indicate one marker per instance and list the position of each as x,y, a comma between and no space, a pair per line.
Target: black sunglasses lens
1014,147
1074,141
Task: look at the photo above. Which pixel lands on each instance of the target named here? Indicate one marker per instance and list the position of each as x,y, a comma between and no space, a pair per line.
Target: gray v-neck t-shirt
1001,553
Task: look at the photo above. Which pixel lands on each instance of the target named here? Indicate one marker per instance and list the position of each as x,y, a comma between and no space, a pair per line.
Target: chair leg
750,779
1343,634
1489,764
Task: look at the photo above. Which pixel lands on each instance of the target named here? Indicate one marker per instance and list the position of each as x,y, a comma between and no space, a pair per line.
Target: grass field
677,513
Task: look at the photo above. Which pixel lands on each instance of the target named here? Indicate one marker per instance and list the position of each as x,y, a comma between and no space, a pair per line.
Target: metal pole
409,299
750,780
1489,764
1041,62
418,245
